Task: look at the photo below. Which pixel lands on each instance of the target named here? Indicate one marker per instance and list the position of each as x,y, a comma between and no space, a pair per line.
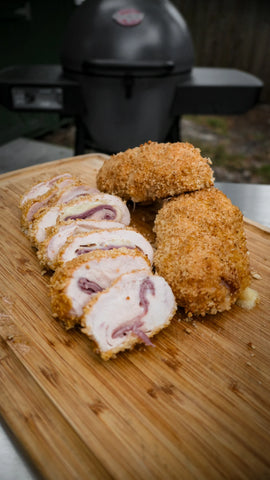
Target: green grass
230,151
264,173
218,125
220,156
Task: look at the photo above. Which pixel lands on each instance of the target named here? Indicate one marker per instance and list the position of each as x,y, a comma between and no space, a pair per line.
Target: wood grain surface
197,406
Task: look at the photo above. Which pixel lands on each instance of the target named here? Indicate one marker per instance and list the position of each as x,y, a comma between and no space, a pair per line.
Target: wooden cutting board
197,406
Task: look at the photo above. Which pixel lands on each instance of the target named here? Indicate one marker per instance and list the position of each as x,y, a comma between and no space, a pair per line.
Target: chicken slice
95,207
58,235
31,206
74,191
134,308
77,281
104,240
41,188
103,207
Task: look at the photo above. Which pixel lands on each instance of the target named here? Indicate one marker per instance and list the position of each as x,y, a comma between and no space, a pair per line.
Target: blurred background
225,33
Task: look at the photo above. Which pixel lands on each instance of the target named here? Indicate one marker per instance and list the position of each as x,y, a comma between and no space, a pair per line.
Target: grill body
128,62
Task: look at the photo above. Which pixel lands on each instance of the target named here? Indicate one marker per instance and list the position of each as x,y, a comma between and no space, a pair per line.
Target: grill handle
139,65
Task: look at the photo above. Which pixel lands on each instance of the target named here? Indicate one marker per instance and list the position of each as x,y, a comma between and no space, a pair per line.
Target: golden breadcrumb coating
201,251
61,304
154,171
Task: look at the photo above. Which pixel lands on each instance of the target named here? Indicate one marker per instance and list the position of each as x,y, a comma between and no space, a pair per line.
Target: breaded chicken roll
154,171
75,283
202,251
137,306
41,188
41,195
99,206
82,243
63,192
58,235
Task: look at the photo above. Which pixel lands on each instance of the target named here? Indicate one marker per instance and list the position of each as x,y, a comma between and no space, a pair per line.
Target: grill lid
146,37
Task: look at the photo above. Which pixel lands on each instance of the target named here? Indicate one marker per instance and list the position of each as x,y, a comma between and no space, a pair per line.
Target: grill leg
174,134
80,137
179,129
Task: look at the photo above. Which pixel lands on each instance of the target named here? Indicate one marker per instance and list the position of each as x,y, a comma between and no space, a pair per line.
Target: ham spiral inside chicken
106,212
140,305
53,192
88,287
74,284
62,184
65,191
134,325
94,207
93,246
99,206
84,243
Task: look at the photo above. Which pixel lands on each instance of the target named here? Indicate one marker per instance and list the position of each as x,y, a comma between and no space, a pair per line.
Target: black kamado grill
127,76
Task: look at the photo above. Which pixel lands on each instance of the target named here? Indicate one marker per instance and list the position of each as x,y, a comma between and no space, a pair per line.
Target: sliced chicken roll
58,235
41,188
94,207
74,284
136,307
31,205
43,220
63,192
74,191
103,207
104,240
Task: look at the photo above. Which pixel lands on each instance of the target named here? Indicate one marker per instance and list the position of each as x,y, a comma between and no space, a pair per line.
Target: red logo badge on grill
128,17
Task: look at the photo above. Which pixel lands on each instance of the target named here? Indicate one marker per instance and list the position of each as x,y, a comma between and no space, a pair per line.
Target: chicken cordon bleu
133,309
155,171
63,192
58,235
83,235
85,242
98,206
74,284
42,194
41,188
201,251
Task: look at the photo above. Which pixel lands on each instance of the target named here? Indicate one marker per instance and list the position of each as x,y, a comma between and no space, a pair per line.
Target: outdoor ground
239,145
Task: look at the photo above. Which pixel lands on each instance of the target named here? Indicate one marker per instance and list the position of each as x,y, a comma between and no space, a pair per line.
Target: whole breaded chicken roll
201,251
154,171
